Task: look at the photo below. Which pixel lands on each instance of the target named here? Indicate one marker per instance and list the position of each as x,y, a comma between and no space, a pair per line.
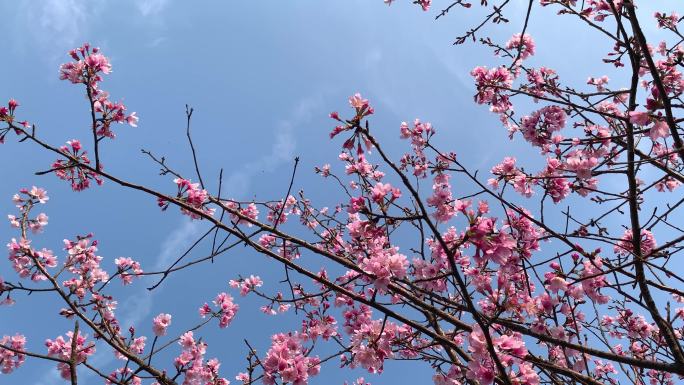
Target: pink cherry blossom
160,323
442,199
659,130
61,348
286,360
356,101
192,363
523,43
640,118
128,269
246,285
381,190
226,309
192,195
11,360
84,265
491,86
625,247
466,277
71,170
87,67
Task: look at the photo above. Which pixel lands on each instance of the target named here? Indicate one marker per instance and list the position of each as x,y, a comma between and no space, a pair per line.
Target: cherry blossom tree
505,283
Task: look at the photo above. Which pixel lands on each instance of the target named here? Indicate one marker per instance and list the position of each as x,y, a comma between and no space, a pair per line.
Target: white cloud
62,19
282,149
151,7
138,307
179,238
56,24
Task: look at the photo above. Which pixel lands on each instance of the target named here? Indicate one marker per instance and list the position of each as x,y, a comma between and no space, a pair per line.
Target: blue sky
262,77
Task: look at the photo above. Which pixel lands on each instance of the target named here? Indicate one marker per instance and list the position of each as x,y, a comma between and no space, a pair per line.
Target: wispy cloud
138,307
55,24
282,149
151,7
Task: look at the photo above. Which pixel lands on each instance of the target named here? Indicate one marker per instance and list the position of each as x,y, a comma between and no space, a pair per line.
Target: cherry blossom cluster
7,116
192,364
539,127
192,195
226,309
369,246
7,113
72,169
127,269
667,21
111,112
598,10
625,246
250,211
593,280
362,110
135,344
270,309
87,67
376,341
630,325
284,248
61,348
246,284
84,264
523,44
446,207
25,260
420,135
384,191
160,323
510,350
506,247
279,211
574,161
288,360
556,178
492,85
11,360
319,324
25,200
